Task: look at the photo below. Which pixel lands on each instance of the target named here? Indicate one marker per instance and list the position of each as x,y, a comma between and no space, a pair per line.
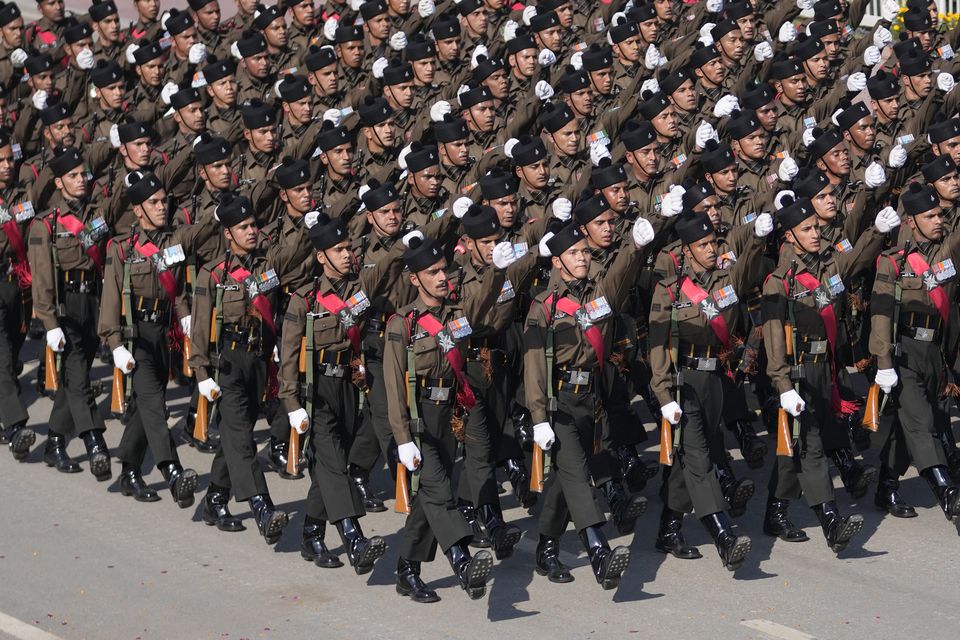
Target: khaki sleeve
535,363
658,339
111,309
294,328
774,341
863,256
882,304
395,379
204,293
42,272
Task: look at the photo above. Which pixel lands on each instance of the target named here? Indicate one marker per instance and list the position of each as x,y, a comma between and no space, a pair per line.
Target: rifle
120,390
306,366
897,298
51,382
405,495
787,433
187,348
667,440
204,410
540,463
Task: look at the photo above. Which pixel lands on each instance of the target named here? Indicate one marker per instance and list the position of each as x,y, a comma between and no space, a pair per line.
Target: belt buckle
579,377
439,394
333,370
924,334
706,364
818,347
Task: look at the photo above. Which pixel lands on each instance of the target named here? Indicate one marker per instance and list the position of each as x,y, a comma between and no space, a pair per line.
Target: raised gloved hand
508,147
886,379
807,137
461,206
509,30
763,225
209,389
527,14
778,199
479,50
897,157
653,59
882,37
186,324
643,233
542,248
39,99
355,4
706,33
546,57
714,6
409,456
871,56
763,51
792,403
167,92
85,59
197,53
598,151
543,90
945,82
562,209
504,255
310,218
887,220
857,81
874,176
651,85
115,136
672,413
299,420
787,32
543,435
705,131
672,203
378,67
123,360
416,233
725,106
805,5
333,116
18,57
889,9
426,8
439,109
330,28
398,41
788,169
576,60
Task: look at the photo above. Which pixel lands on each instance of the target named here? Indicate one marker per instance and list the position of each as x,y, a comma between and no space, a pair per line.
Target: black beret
692,226
826,9
77,31
142,186
810,182
637,135
723,28
233,209
653,104
480,222
178,22
422,157
372,9
379,195
702,54
147,52
785,67
55,112
915,63
823,143
758,96
486,67
419,48
544,21
852,115
641,13
211,149
466,7
263,16
292,173
450,129
917,18
347,33
597,57
919,198
794,212
521,42
38,63
621,30
101,10
806,47
218,69
739,9
130,131
823,28
293,88
327,233
251,43
696,194
944,130
185,95
445,26
105,73
320,57
883,85
573,80
497,184
607,173
590,208
474,96
65,160
256,114
555,116
670,82
528,150
374,111
331,137
566,237
421,254
8,13
198,4
716,156
397,72
938,167
905,46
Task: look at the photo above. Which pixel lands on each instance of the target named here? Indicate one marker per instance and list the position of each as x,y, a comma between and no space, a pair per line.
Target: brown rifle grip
871,412
666,442
784,434
116,396
213,328
293,453
536,470
788,336
186,357
302,363
402,502
50,369
201,423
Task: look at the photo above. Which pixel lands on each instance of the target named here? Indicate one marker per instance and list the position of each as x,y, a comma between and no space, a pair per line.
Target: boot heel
374,550
480,567
741,547
851,527
184,488
504,548
618,561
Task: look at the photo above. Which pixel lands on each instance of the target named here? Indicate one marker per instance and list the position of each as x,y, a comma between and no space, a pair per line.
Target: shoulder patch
200,291
655,307
36,240
395,337
292,317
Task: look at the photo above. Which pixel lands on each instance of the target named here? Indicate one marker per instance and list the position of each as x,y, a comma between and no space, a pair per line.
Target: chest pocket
426,352
914,283
326,329
69,251
687,314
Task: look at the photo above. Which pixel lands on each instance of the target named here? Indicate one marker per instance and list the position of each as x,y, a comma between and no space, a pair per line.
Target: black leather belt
80,281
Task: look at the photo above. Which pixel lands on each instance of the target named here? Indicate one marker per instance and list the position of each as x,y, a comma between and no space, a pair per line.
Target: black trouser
434,518
568,493
373,434
332,495
483,431
243,375
74,407
12,335
625,427
514,398
807,473
148,419
690,484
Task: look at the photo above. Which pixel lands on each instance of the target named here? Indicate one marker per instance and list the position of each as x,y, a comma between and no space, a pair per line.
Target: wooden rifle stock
186,357
50,370
788,336
871,413
202,422
402,503
293,453
117,392
666,442
784,434
536,469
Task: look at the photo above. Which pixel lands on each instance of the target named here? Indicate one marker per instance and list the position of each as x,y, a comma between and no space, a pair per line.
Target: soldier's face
399,95
258,65
426,183
184,40
574,262
482,249
536,175
732,45
506,208
483,116
476,22
921,84
12,34
925,38
73,50
702,252
665,122
644,160
191,117
6,164
805,237
496,82
524,62
567,138
208,16
151,73
927,225
217,174
711,206
581,101
948,187
863,133
351,53
617,197
836,161
276,33
324,80
109,29
887,109
550,39
725,180
748,27
247,7
685,97
51,9
303,12
432,280
74,183
767,115
565,14
454,153
61,133
753,146
649,30
137,152
262,139
423,70
794,88
825,203
831,45
386,219
300,111
152,214
111,96
949,147
224,90
378,26
42,81
599,231
818,66
339,159
399,7
448,49
298,198
148,9
713,71
243,235
339,257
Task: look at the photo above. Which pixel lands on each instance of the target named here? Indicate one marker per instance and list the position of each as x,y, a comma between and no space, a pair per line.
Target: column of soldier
465,235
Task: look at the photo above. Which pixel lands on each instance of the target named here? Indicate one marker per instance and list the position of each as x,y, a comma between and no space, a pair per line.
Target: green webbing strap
550,356
794,420
128,320
310,361
55,257
897,298
412,402
675,348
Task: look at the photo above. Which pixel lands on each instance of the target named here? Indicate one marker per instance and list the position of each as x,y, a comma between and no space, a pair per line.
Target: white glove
886,379
857,81
439,109
714,6
792,403
197,53
672,203
128,53
546,57
543,435
378,66
527,15
330,29
398,41
479,50
763,225
788,169
509,30
787,32
299,420
778,199
889,9
725,106
763,51
56,340
706,32
897,157
562,209
461,206
426,8
310,218
333,116
672,412
115,136
504,255
409,456
576,60
85,59
598,151
705,131
508,147
886,220
185,325
543,90
209,389
39,99
416,233
650,85
235,51
804,5
355,4
18,57
882,37
167,92
652,58
871,56
123,360
643,232
945,82
807,137
874,176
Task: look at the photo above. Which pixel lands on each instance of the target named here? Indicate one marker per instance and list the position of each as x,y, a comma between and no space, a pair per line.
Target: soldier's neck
428,300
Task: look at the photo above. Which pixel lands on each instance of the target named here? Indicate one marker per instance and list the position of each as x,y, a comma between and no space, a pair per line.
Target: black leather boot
949,444
55,454
182,482
548,561
98,455
520,481
752,448
503,537
632,468
856,477
480,539
777,523
361,479
624,508
472,572
203,446
362,552
215,511
523,428
270,520
132,484
21,439
409,583
277,459
731,547
670,538
836,529
947,494
888,497
737,493
608,564
312,547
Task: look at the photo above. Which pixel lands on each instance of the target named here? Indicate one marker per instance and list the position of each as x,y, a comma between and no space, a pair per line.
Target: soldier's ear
58,183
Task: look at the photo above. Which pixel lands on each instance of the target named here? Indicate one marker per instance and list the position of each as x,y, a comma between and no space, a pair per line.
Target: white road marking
23,631
775,630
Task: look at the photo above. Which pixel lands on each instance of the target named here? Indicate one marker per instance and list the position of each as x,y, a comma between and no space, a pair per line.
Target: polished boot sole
331,562
743,491
617,563
862,484
504,547
100,467
741,547
22,442
476,579
755,454
184,488
274,528
374,550
628,519
851,527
